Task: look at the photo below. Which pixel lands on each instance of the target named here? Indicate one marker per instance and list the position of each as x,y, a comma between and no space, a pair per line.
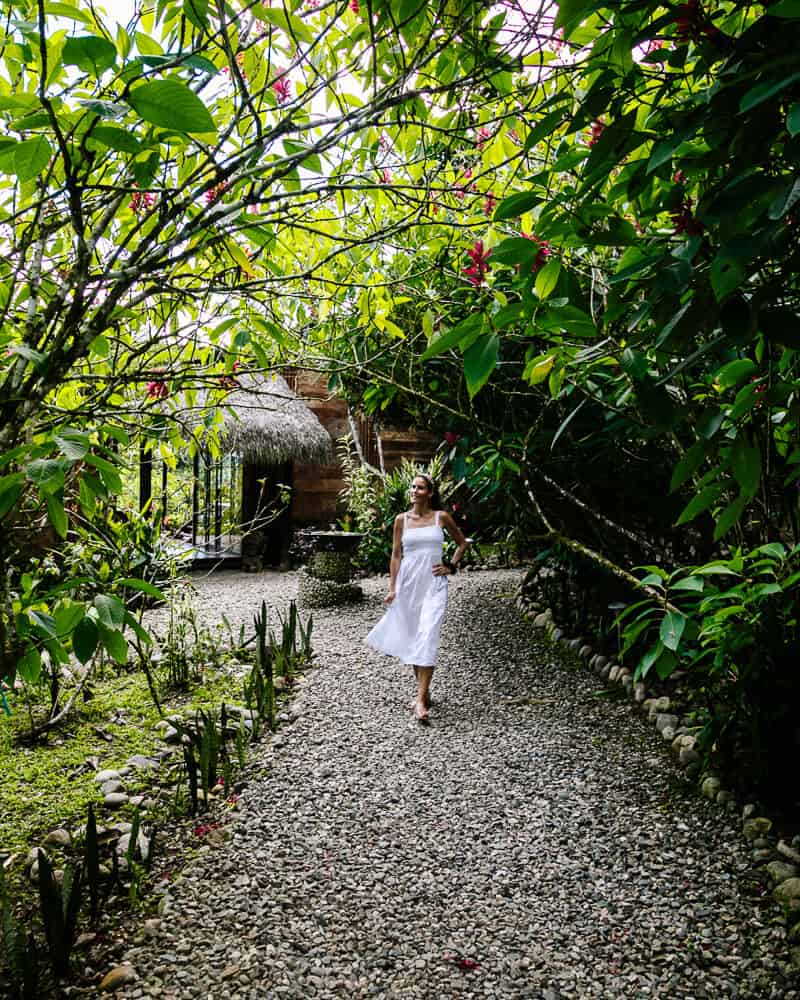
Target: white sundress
411,626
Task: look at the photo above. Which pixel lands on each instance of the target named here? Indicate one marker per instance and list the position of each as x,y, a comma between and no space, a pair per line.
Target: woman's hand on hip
389,598
441,570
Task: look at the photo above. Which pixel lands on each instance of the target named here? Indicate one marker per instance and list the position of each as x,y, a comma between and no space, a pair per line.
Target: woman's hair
436,500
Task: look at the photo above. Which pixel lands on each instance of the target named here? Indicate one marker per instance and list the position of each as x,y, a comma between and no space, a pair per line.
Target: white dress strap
436,519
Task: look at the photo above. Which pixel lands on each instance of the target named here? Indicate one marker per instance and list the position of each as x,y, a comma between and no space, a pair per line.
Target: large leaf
547,278
291,25
143,587
729,516
689,463
85,639
480,361
746,465
116,138
453,337
763,91
110,611
115,644
672,625
516,205
57,515
26,159
29,666
735,372
171,104
90,53
704,499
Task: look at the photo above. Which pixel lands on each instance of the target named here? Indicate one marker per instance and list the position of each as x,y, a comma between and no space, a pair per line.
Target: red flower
282,89
489,203
451,438
686,222
354,6
679,177
386,176
216,192
141,201
692,23
482,137
477,270
596,131
542,255
157,390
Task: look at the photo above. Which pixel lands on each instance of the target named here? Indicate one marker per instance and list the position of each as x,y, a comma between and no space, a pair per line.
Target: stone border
779,860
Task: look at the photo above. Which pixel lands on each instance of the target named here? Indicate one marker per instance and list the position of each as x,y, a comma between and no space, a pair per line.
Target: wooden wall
315,498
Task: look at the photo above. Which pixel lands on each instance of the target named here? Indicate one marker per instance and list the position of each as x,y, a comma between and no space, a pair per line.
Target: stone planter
327,580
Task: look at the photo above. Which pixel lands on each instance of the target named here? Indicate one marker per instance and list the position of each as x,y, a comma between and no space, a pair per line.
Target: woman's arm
397,555
458,536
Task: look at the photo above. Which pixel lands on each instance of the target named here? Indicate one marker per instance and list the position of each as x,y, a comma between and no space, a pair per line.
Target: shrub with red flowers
691,22
477,270
489,203
141,202
157,390
215,193
482,137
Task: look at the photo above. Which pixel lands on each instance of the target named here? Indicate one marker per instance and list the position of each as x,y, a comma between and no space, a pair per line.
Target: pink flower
489,203
544,251
482,137
596,130
476,272
281,88
386,176
679,177
354,6
216,192
141,202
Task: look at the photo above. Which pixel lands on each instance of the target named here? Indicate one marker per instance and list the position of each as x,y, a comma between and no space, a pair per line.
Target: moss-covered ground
48,783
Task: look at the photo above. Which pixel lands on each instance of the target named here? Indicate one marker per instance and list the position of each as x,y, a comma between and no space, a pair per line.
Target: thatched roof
264,421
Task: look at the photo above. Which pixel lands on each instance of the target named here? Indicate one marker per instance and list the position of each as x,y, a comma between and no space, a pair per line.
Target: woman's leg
424,675
427,696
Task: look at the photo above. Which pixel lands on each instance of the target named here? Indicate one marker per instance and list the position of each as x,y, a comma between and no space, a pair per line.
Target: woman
417,595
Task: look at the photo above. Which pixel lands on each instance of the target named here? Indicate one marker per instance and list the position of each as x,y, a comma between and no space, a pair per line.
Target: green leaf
567,319
67,615
115,644
735,372
29,666
571,13
143,586
727,273
110,611
172,105
44,623
793,119
648,660
453,337
544,129
85,639
689,463
785,8
11,488
142,634
547,278
57,515
763,91
774,550
672,625
516,205
689,583
538,368
108,473
26,159
90,53
47,473
704,499
66,10
291,25
665,664
730,516
516,251
480,361
116,138
73,445
746,465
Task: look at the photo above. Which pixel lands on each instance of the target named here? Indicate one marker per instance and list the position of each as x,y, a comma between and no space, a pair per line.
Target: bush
373,503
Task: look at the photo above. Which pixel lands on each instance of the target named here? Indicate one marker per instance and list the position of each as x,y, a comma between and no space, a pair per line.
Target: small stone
613,673
541,620
780,871
585,652
115,800
639,692
710,787
556,634
103,776
748,811
788,893
687,756
755,828
109,787
783,848
664,721
724,797
123,975
600,662
171,735
142,763
58,838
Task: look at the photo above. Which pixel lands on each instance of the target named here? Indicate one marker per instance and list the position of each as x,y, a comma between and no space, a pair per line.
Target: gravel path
546,848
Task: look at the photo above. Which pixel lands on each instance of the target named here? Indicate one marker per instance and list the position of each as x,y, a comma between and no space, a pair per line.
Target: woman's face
419,490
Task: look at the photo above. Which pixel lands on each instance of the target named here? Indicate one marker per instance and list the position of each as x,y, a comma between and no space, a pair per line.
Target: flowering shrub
476,272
